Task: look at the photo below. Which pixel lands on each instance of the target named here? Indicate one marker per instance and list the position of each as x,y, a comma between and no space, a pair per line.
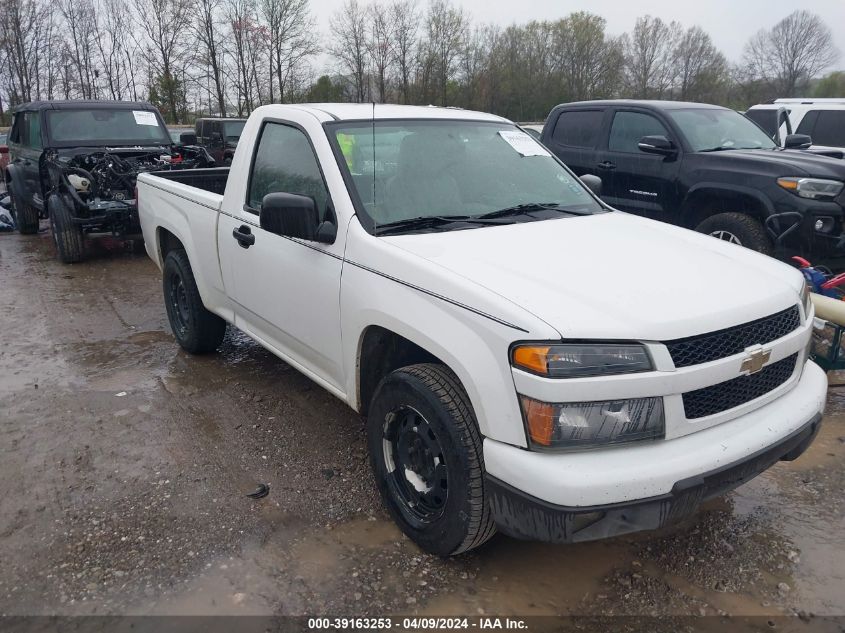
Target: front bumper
522,516
792,227
558,484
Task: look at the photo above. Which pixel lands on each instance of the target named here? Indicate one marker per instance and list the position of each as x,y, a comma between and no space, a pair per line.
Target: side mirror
657,145
4,149
292,215
593,183
188,138
798,141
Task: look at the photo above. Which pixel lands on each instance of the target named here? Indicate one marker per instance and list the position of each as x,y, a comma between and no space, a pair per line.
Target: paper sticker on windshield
523,143
142,117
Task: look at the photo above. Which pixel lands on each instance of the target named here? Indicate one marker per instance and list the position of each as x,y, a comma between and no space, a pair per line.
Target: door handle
607,165
243,234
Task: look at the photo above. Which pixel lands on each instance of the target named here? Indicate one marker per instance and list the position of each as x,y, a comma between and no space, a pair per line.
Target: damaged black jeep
75,162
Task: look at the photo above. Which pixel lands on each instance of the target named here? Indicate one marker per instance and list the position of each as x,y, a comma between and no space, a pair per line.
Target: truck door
631,179
25,152
287,290
575,138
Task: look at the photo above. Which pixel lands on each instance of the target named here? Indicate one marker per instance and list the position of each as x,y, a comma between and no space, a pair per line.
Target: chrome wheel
726,236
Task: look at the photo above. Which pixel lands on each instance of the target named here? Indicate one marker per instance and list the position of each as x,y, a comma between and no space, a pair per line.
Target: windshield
711,130
233,129
766,119
99,126
404,170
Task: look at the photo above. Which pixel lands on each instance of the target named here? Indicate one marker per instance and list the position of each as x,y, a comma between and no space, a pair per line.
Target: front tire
426,453
67,235
197,330
737,228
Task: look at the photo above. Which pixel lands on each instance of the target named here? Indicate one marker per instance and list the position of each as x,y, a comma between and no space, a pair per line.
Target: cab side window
830,128
284,162
33,126
629,127
16,135
26,130
578,128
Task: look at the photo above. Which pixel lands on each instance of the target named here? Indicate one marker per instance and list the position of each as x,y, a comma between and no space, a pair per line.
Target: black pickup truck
76,163
706,168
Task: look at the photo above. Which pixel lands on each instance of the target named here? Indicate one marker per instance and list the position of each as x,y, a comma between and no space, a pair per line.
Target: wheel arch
708,199
166,241
16,181
381,351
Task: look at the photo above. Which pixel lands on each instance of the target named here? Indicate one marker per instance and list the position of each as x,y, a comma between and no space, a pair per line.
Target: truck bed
212,179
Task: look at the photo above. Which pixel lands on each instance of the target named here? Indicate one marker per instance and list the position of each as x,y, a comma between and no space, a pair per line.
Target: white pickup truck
527,358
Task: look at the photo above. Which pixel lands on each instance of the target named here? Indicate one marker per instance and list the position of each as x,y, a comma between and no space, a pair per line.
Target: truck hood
614,275
779,162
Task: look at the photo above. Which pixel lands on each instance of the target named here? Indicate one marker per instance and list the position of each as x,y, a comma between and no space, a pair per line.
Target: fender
16,181
717,187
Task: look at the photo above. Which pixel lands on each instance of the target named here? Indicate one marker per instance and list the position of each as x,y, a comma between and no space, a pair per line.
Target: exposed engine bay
95,182
105,176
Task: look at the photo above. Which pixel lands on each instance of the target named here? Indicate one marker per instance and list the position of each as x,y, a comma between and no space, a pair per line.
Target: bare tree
206,24
446,28
81,21
404,21
19,20
291,41
380,46
649,57
701,68
241,17
589,62
113,45
792,52
163,23
475,65
349,47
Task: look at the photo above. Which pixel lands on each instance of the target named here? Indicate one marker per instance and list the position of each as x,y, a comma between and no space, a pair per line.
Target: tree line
227,57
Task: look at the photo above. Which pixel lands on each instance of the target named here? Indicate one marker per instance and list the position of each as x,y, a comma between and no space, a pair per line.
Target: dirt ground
125,465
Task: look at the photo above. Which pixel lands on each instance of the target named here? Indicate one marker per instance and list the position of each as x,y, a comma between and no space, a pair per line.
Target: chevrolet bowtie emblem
755,361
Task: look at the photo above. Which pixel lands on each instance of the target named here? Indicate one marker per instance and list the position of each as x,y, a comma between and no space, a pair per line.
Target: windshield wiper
528,207
429,222
721,148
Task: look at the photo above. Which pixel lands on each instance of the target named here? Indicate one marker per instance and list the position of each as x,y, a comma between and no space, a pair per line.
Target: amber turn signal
532,358
540,419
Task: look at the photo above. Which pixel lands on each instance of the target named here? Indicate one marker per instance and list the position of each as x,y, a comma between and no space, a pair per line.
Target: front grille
732,393
715,345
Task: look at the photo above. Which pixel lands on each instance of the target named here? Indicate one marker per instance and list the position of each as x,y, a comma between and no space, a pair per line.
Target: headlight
586,424
578,361
814,188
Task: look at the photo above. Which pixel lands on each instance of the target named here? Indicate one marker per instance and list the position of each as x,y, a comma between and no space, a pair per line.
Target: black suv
707,168
76,163
220,137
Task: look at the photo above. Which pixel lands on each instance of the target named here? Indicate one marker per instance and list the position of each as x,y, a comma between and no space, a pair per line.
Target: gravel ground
125,465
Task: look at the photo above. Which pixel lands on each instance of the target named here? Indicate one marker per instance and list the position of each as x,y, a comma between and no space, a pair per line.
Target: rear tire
426,453
737,228
26,216
67,235
196,329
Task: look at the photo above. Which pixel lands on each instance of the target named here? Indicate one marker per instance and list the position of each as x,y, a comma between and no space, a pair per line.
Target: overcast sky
729,22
